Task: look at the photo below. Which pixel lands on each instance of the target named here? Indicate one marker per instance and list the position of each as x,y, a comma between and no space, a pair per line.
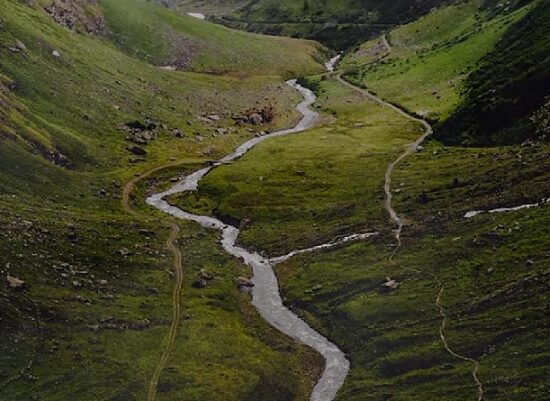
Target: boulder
200,283
20,45
136,150
15,283
209,151
423,197
243,282
255,119
206,275
390,285
146,233
124,252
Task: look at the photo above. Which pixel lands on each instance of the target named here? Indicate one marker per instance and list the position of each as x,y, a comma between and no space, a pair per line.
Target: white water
331,64
328,245
474,213
265,293
197,15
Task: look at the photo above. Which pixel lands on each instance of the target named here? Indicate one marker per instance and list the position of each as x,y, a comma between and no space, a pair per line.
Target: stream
474,213
265,293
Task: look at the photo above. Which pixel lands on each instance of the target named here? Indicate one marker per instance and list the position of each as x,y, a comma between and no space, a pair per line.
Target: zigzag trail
475,363
398,220
176,293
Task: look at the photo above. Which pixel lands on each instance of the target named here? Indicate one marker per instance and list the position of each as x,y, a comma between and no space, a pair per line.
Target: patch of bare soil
83,16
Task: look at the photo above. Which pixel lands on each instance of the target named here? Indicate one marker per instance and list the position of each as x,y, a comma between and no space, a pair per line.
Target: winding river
265,293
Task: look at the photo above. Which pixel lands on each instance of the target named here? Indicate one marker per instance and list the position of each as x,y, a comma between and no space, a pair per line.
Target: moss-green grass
315,185
494,295
155,34
494,267
77,103
337,23
305,189
224,350
494,299
431,57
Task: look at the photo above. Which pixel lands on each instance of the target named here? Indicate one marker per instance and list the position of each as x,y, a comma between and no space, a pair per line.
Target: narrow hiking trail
176,312
474,362
398,220
409,150
176,293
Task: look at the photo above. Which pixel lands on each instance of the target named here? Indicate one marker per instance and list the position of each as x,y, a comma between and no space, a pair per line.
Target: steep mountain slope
336,23
507,97
432,57
480,70
160,37
80,115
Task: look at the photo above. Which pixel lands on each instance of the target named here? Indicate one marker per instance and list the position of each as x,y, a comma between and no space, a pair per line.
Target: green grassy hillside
208,7
338,24
478,70
493,267
490,270
85,109
336,194
80,115
431,58
159,36
506,98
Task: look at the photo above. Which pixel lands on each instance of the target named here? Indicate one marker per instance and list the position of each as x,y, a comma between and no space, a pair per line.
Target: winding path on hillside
176,293
409,150
398,220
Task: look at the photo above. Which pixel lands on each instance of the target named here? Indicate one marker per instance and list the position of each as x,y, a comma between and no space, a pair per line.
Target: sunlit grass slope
432,57
158,35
